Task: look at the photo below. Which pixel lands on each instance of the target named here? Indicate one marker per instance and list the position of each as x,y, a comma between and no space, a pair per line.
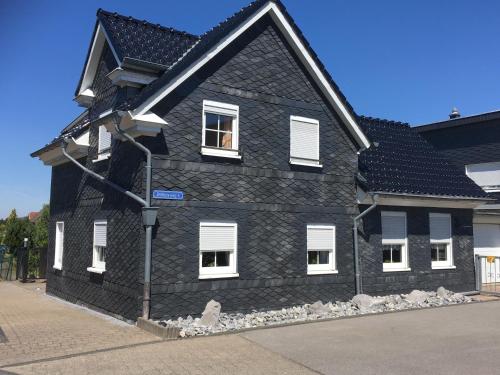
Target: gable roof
403,162
138,42
217,38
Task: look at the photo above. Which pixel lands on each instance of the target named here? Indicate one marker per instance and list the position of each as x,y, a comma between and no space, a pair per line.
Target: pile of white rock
213,321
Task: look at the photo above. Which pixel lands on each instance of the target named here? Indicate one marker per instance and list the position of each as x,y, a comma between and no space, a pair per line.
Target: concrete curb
165,333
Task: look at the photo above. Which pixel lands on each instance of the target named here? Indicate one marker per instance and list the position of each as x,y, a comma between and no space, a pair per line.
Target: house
33,216
472,143
225,166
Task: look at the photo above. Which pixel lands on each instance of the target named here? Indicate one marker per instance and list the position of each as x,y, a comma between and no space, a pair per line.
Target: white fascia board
123,77
486,219
77,148
93,60
299,48
148,124
403,200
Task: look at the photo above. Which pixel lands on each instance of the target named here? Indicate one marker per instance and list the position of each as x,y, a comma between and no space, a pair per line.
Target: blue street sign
167,194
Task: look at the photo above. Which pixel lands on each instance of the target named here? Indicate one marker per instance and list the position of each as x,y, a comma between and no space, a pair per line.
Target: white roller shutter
104,139
304,140
440,227
320,238
100,233
217,237
393,226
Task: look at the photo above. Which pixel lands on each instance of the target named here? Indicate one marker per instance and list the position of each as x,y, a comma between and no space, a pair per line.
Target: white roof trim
299,48
76,147
93,60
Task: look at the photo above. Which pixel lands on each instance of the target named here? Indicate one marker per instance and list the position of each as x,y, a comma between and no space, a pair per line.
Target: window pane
101,256
312,257
222,258
208,259
324,257
211,121
434,253
211,138
396,254
225,140
442,252
386,254
226,123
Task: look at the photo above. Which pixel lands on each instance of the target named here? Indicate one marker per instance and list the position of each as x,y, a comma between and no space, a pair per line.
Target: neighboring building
32,216
259,150
472,143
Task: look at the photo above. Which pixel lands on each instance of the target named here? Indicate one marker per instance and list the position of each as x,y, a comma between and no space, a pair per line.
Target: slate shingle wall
421,276
78,200
271,201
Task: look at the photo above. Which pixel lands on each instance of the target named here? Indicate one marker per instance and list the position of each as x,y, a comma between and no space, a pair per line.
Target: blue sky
404,60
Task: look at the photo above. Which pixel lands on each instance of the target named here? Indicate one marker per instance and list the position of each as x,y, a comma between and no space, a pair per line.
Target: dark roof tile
401,161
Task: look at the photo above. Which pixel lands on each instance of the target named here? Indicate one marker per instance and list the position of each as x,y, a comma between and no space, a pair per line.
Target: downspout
149,218
139,200
356,246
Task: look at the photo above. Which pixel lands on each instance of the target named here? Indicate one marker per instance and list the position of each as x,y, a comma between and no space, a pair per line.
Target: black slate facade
421,275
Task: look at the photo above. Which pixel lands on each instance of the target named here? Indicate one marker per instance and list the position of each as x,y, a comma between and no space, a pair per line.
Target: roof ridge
378,119
146,23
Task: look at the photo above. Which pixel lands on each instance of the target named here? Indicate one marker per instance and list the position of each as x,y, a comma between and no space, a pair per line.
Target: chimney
454,113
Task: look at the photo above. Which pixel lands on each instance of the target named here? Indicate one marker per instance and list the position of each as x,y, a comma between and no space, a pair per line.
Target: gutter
357,271
148,213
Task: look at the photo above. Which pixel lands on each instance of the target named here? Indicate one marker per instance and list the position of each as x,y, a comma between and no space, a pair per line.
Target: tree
16,230
41,229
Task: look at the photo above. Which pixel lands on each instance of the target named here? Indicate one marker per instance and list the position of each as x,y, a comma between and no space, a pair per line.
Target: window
104,143
218,246
100,244
59,248
304,141
440,238
220,129
394,241
320,249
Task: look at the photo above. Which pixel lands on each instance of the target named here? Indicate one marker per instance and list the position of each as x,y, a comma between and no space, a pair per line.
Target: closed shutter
440,227
217,237
393,226
320,238
104,139
100,233
304,139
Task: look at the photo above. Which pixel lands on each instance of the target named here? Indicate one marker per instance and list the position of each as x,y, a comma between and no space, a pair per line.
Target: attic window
304,141
220,129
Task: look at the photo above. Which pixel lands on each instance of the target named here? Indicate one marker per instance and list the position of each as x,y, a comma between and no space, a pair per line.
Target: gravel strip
214,321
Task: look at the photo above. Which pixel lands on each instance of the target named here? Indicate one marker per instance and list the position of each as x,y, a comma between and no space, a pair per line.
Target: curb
165,333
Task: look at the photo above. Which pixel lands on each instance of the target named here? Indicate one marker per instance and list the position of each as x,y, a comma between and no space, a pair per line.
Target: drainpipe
149,218
356,248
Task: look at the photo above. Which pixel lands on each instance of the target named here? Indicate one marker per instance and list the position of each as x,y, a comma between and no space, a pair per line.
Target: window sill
306,164
221,153
96,270
444,267
57,267
102,157
219,276
327,272
397,269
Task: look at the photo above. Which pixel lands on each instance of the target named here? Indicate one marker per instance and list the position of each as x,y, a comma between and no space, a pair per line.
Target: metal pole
357,272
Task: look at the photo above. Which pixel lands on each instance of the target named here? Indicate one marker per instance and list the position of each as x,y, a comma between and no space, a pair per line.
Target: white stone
417,297
211,314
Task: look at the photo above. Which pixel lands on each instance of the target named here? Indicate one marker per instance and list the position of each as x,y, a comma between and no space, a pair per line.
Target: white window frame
97,265
321,269
59,246
219,272
224,109
403,265
313,162
103,153
448,242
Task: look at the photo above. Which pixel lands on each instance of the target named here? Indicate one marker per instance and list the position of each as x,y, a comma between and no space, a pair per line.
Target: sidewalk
48,336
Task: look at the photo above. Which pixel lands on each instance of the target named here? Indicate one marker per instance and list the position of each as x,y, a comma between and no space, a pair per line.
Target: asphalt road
455,340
